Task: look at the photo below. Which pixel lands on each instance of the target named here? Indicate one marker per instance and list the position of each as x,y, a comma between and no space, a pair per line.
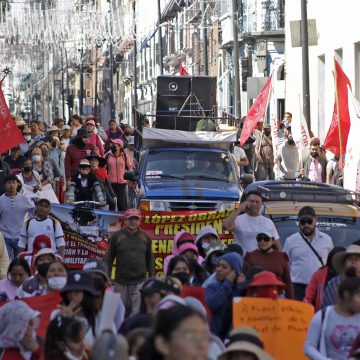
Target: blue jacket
218,296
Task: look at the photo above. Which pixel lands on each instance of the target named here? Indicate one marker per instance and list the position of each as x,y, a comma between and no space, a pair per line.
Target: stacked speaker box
172,93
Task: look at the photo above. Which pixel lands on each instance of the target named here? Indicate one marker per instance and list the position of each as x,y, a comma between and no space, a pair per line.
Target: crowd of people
115,307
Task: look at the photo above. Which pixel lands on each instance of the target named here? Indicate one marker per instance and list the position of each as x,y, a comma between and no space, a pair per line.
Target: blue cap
234,260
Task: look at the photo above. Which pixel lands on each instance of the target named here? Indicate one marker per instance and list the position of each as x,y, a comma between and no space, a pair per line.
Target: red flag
256,112
10,134
183,71
332,141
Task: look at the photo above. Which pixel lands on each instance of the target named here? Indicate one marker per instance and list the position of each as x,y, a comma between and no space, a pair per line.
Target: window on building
321,96
357,70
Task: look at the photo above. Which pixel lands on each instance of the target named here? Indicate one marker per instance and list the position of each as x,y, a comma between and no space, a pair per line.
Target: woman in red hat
270,259
265,285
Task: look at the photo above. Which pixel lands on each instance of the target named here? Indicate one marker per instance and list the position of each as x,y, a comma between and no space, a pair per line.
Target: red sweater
314,293
73,156
276,262
14,354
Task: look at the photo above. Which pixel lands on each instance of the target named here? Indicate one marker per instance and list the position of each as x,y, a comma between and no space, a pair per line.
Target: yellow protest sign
281,323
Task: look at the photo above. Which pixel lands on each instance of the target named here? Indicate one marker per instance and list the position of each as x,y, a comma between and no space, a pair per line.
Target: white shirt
247,227
42,227
302,260
315,171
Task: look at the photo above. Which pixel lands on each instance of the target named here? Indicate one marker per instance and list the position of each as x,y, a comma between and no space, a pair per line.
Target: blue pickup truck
180,170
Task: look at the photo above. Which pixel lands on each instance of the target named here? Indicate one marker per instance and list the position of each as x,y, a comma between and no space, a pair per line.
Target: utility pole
135,60
81,92
112,109
205,39
160,39
305,63
96,83
62,85
234,10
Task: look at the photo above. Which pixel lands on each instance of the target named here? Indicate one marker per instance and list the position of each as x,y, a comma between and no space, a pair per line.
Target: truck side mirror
246,179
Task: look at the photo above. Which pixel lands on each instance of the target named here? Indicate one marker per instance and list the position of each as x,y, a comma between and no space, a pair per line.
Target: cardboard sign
282,324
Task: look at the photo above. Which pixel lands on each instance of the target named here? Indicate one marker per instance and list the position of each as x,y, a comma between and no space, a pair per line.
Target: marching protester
15,160
56,277
131,247
76,124
66,135
265,284
18,272
307,250
342,261
179,268
264,155
4,257
113,132
246,221
334,329
117,163
30,177
18,340
42,223
4,172
13,209
206,237
44,168
315,165
270,259
28,141
36,131
94,138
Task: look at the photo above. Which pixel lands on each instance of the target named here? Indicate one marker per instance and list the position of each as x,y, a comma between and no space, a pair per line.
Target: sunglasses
306,221
263,238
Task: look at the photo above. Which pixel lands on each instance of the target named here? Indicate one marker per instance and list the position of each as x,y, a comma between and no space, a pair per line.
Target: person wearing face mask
264,155
179,268
315,165
206,237
27,143
44,169
288,158
40,262
270,259
65,339
94,138
56,276
30,177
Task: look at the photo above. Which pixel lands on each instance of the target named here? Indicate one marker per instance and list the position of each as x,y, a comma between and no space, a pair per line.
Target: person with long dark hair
333,330
314,292
65,339
180,333
79,296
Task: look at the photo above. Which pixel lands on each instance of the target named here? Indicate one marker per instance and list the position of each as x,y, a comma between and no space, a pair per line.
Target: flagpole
338,117
301,153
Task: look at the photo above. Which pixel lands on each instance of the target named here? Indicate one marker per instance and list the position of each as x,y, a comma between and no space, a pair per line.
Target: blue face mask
205,246
36,158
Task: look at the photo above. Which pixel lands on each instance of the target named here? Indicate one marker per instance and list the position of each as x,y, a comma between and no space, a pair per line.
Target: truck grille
177,206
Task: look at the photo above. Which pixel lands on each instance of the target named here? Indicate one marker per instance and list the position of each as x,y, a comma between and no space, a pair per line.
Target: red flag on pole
338,132
183,71
10,134
256,112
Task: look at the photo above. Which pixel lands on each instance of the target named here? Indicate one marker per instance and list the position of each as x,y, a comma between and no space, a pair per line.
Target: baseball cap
315,140
306,212
132,213
41,242
90,122
118,141
97,266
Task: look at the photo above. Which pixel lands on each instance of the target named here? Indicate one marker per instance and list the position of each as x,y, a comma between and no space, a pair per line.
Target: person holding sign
219,294
333,330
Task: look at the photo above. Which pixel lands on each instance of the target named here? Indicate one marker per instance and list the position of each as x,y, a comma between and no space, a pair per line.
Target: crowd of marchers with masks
116,307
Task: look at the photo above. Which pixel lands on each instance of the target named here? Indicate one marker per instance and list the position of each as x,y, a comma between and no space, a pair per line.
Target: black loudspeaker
174,91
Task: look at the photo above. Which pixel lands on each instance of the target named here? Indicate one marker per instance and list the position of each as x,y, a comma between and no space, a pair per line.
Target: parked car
337,209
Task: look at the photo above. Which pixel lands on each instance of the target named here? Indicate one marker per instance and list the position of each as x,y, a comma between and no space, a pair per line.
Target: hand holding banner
9,133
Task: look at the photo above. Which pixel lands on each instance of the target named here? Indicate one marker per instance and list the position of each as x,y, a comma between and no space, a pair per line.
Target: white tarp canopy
152,137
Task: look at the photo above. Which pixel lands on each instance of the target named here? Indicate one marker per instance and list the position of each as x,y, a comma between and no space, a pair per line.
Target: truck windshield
198,165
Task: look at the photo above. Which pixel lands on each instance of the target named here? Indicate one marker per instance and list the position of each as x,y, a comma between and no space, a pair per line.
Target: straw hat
338,261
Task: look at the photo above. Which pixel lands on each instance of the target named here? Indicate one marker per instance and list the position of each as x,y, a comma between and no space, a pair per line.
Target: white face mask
70,356
57,282
36,158
27,137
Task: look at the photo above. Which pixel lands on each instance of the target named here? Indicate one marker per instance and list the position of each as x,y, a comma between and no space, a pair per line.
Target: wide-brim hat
338,261
97,266
79,281
101,160
266,278
52,128
245,346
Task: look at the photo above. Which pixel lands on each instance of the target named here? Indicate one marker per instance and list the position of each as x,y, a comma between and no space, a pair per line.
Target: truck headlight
229,205
152,205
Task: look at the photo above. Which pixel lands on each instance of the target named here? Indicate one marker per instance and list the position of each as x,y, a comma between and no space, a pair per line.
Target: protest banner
87,231
282,324
45,304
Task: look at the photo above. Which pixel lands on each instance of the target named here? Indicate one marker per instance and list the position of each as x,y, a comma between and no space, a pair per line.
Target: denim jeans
11,247
265,171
